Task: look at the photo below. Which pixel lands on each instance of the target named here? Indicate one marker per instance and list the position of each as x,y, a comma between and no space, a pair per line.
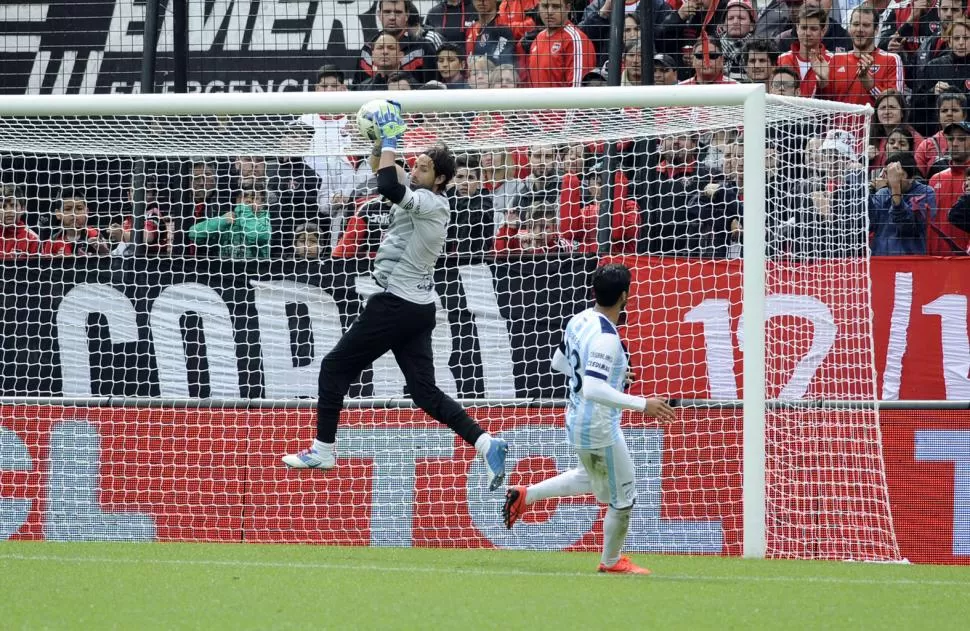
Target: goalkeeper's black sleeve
388,184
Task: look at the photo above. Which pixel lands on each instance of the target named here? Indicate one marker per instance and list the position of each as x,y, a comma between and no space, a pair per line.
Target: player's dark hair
609,282
761,45
444,162
448,46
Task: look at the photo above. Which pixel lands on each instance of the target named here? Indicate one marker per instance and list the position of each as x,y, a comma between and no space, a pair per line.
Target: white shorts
610,473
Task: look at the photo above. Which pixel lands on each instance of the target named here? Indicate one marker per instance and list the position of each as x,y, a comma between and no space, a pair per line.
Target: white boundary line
412,569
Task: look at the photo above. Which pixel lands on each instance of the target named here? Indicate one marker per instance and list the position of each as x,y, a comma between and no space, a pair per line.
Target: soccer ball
365,125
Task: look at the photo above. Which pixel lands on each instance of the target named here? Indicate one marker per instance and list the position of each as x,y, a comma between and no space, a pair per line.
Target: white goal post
50,120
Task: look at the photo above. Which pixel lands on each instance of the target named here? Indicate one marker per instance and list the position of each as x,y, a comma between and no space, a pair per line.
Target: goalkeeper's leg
416,360
368,338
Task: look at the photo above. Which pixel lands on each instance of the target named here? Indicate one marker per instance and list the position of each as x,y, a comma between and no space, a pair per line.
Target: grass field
240,586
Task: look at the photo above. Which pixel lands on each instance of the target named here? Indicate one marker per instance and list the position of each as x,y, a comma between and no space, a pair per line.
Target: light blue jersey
593,349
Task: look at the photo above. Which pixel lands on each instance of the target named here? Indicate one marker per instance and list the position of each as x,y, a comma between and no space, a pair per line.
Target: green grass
241,586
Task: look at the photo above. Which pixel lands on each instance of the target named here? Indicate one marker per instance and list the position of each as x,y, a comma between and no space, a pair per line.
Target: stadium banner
214,475
233,47
93,327
228,329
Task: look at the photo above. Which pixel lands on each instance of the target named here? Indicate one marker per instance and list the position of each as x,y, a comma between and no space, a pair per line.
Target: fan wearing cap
664,70
944,238
866,72
736,30
838,224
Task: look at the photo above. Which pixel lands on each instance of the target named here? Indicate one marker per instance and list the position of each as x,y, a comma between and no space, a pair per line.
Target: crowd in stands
677,195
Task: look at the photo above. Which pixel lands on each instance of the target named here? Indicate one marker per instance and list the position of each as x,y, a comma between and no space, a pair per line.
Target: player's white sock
481,445
572,482
614,534
321,447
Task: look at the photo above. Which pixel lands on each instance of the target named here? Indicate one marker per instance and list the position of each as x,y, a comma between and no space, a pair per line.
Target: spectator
419,32
365,229
898,212
156,232
784,81
947,73
905,25
293,191
243,233
778,16
808,55
503,77
306,242
709,66
480,69
631,65
861,75
788,206
16,239
717,206
208,200
625,214
529,229
595,23
472,221
498,178
935,44
595,79
890,113
451,67
959,214
397,81
326,153
384,58
738,26
760,58
670,227
494,36
248,172
951,108
452,18
74,237
574,159
834,36
679,29
664,70
414,55
561,54
330,79
950,185
836,228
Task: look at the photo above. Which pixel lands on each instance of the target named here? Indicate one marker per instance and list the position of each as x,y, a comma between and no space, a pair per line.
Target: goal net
174,270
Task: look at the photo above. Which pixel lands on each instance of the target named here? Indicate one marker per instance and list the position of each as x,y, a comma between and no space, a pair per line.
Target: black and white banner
167,328
95,46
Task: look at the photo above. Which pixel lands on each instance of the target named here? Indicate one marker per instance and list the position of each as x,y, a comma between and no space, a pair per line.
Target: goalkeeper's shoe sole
624,566
494,458
310,459
514,506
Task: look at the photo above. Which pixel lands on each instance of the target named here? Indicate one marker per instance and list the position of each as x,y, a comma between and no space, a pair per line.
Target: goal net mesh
171,284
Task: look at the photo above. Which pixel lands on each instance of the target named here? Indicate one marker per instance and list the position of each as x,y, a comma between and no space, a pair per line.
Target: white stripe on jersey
594,351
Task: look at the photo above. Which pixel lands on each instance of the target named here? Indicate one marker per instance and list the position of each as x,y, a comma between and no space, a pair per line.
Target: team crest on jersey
873,70
934,26
556,48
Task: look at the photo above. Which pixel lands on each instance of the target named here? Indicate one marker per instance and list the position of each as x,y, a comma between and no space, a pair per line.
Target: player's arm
389,180
599,364
559,362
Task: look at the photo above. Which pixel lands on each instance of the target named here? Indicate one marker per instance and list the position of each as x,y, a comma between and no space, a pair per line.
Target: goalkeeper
401,317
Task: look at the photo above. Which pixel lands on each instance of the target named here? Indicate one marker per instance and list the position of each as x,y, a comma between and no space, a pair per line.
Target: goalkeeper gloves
391,124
